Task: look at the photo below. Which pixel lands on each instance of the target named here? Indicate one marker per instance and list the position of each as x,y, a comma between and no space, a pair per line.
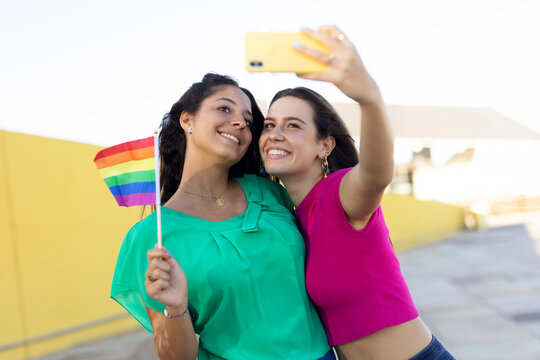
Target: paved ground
479,292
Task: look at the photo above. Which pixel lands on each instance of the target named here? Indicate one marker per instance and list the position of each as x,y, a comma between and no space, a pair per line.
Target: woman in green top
230,242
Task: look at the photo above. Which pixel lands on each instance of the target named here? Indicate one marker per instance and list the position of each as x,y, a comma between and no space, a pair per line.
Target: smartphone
274,52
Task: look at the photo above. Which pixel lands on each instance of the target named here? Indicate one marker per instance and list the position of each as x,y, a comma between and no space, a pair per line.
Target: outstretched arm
362,188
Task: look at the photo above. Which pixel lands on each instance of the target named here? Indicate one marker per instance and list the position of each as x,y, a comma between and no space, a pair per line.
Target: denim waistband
434,351
328,356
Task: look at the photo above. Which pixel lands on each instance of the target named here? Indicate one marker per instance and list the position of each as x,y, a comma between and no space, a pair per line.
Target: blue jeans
328,356
434,351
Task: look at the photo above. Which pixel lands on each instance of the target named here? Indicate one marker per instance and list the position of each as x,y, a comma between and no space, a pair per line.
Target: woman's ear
328,145
186,121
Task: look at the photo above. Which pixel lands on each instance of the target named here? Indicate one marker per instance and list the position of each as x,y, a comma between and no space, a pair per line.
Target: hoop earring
324,166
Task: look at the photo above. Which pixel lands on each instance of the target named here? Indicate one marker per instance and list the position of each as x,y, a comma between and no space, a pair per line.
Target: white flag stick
158,188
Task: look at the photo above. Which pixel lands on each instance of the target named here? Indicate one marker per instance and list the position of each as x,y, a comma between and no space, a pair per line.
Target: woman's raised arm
362,188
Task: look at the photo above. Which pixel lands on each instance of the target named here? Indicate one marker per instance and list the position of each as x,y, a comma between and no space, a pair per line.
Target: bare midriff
400,342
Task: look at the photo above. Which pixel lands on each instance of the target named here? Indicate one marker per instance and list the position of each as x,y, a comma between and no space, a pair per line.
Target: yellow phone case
274,52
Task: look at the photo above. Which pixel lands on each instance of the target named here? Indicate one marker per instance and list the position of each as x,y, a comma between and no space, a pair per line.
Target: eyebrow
287,118
231,101
226,99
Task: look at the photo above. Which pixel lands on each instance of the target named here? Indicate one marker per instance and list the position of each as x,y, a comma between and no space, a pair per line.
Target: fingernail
296,44
168,254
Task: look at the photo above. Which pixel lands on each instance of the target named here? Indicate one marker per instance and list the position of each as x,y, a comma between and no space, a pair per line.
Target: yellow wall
11,326
60,233
412,222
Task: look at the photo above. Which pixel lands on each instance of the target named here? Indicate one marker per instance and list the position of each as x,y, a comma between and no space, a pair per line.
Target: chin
276,171
233,156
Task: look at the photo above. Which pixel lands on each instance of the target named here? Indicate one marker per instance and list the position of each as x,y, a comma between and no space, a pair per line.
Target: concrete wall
60,232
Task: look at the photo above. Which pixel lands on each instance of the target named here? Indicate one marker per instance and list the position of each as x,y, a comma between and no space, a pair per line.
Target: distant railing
521,204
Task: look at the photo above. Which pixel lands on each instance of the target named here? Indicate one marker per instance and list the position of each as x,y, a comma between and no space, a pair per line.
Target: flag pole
158,188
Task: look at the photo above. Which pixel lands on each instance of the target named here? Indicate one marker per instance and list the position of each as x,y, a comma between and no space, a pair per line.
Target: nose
275,134
238,121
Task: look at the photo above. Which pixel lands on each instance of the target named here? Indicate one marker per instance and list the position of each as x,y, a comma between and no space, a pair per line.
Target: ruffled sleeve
129,275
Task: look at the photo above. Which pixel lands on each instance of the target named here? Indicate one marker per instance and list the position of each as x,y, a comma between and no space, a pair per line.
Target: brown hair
328,123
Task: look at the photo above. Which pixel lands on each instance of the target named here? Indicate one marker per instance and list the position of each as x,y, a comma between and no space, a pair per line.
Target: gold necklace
218,198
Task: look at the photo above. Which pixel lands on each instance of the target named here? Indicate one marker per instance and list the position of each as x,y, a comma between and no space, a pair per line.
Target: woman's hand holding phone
345,67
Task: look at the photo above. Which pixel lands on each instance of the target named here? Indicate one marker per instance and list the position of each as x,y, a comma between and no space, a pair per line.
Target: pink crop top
352,276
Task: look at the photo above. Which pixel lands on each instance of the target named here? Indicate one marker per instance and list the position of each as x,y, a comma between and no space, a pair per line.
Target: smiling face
220,128
289,144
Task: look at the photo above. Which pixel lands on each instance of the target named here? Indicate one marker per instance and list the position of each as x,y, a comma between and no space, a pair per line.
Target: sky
104,72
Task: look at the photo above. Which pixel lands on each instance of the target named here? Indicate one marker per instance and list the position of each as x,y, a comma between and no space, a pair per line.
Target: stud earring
189,130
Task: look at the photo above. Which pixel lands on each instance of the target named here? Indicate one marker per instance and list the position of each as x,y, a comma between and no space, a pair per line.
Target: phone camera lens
256,64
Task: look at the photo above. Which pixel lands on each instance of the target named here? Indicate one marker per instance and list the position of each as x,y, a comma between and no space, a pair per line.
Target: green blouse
245,275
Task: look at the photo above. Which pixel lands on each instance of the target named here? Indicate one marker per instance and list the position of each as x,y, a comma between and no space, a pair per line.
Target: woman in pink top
352,273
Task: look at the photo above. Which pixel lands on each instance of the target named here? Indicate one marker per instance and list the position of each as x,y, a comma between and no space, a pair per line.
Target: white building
461,155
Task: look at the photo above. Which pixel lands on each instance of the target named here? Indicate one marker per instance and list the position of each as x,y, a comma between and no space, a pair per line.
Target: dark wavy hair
328,123
172,146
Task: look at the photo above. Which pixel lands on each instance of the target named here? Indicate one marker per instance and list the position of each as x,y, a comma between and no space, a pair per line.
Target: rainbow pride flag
129,170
